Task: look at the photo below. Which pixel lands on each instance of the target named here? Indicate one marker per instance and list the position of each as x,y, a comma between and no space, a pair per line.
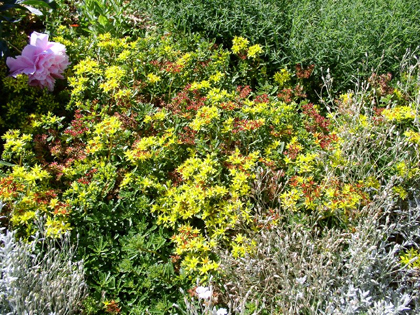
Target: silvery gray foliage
35,281
299,271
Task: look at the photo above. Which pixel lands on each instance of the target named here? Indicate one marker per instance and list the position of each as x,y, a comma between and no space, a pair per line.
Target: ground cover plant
192,180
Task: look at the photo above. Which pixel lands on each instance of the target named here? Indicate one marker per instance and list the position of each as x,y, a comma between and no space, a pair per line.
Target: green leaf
48,4
6,163
103,20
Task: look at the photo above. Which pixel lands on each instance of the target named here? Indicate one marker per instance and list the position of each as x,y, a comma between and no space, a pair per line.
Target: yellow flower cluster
254,51
205,115
104,133
16,146
20,83
326,197
152,78
282,77
412,136
201,85
242,245
114,76
239,44
87,66
150,147
23,189
399,113
405,170
199,195
217,95
411,258
158,116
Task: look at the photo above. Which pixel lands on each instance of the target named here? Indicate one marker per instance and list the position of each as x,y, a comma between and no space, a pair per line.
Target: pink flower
41,60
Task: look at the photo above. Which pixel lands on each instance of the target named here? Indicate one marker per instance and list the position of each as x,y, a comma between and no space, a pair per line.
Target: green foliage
353,38
349,37
104,16
19,100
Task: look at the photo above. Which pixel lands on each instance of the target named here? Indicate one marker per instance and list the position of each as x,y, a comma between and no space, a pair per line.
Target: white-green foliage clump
34,281
299,271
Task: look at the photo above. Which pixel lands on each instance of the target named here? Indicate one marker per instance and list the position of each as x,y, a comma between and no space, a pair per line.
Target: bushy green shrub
349,37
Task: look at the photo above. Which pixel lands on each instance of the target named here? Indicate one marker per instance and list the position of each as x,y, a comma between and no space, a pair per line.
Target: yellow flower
114,72
400,191
216,77
204,116
87,65
255,50
413,137
282,77
56,227
399,113
411,258
152,78
124,55
239,43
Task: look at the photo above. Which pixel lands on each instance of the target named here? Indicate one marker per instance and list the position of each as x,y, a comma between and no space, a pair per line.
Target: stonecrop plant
167,157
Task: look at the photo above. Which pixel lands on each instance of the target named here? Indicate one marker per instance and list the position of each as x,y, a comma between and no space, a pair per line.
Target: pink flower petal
20,64
39,40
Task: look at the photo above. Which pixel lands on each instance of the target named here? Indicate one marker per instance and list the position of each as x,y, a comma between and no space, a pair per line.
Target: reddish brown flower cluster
311,190
228,106
167,66
201,65
240,125
186,100
9,188
85,180
175,177
78,125
316,120
281,133
378,118
289,95
176,262
263,98
318,125
188,136
304,73
45,197
380,84
112,307
292,151
244,91
56,169
128,121
186,234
